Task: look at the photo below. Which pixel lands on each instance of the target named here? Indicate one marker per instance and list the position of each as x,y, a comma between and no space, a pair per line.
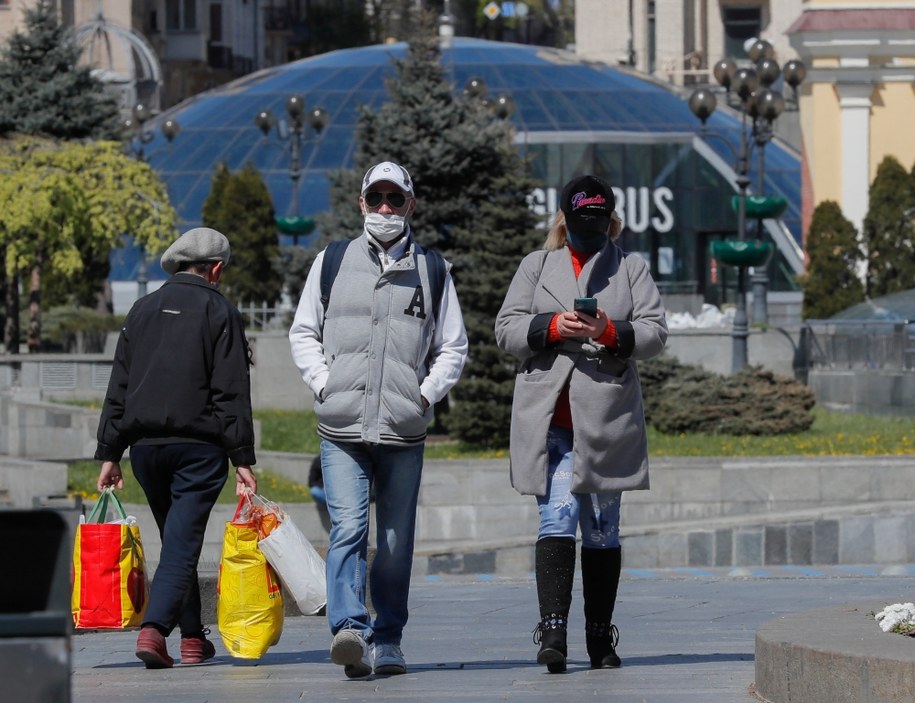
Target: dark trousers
182,483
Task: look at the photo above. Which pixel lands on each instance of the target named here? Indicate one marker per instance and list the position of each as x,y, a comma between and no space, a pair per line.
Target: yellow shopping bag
249,606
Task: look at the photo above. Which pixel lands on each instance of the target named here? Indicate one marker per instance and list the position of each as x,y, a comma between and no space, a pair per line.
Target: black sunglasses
374,198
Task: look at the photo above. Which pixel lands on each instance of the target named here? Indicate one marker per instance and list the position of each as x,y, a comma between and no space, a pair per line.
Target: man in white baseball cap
390,172
392,326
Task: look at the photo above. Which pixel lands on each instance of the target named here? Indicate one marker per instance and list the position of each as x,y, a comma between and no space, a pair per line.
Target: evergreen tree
42,89
212,206
831,283
889,230
471,187
240,206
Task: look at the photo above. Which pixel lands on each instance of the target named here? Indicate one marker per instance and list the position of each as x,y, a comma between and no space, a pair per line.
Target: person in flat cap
201,245
180,398
578,315
379,338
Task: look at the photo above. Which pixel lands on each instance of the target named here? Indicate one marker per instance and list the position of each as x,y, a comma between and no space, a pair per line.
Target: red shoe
152,650
196,650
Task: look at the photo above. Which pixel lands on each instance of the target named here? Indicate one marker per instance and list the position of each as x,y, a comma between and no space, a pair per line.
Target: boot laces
603,631
550,622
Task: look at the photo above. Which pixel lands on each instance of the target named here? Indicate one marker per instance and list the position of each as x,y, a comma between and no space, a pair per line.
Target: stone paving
687,636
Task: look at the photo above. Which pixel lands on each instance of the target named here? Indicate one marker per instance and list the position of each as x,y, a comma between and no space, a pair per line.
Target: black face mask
588,236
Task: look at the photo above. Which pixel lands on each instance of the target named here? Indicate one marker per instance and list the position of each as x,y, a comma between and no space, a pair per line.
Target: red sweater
562,414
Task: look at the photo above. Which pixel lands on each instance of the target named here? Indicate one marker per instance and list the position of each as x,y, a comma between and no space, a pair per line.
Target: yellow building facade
857,103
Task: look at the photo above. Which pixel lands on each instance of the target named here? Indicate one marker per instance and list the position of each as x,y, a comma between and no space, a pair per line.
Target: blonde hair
556,238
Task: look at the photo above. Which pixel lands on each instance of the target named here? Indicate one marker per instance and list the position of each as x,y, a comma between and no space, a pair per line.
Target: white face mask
384,228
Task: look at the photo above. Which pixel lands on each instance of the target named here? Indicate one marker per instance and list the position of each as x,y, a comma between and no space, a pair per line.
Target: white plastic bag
300,568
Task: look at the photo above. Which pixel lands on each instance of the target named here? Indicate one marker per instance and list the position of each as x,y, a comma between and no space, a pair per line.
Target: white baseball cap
388,171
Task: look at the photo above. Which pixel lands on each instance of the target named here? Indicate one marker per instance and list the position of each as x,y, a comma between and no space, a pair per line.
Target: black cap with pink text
586,197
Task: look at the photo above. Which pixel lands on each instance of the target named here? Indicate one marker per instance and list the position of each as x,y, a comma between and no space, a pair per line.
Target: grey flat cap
196,245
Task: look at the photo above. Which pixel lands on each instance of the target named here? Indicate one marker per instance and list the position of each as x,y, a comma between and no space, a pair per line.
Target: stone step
835,653
699,512
868,532
445,481
21,480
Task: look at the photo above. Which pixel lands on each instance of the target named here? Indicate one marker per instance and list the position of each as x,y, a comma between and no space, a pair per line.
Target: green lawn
82,477
832,434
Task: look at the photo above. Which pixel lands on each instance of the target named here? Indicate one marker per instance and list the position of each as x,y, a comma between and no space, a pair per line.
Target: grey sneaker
350,650
389,660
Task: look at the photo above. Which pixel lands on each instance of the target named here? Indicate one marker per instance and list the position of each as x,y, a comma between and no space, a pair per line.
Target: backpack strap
436,269
330,265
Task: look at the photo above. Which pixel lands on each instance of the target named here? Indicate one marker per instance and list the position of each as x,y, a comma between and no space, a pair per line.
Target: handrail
887,345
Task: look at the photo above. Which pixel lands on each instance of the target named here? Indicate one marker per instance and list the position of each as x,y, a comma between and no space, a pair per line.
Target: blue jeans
562,512
350,468
181,483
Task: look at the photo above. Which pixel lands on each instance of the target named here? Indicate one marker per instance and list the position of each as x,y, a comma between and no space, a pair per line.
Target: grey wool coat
610,445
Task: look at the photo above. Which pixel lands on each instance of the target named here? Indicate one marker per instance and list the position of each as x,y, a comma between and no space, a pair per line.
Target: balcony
219,56
277,19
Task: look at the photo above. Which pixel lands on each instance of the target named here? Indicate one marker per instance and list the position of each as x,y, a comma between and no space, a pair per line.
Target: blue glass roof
554,91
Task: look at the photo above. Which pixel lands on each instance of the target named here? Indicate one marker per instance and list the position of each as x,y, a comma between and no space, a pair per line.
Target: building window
652,37
740,24
181,14
216,23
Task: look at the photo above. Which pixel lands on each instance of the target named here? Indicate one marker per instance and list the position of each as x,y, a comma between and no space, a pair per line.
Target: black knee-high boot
600,578
555,570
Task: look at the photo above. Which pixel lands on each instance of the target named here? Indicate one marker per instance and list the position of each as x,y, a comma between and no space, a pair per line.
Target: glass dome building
572,116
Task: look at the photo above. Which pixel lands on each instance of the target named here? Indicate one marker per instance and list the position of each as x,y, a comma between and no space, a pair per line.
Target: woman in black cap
578,314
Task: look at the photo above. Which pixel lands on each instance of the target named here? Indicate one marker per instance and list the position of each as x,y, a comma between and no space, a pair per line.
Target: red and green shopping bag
110,588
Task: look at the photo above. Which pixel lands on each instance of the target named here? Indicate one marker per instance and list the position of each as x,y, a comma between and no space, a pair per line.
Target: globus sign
641,208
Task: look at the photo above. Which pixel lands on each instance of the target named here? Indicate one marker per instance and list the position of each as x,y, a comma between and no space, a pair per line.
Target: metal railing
259,317
887,345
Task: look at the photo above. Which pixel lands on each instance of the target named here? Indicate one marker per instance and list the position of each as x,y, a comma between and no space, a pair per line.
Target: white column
854,107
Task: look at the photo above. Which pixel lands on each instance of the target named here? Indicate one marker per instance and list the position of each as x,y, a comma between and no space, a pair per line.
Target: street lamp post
138,136
503,105
765,106
702,103
446,27
752,92
316,119
135,127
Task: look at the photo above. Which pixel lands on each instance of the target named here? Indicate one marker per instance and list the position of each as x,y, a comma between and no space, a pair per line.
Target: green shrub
78,329
657,372
682,398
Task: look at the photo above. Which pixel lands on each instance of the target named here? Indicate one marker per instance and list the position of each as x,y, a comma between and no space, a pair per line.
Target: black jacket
180,374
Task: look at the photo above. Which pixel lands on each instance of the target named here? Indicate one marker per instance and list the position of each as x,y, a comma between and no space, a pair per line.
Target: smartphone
586,305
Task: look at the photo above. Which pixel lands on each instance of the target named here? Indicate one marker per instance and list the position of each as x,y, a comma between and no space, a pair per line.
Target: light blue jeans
563,512
349,469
